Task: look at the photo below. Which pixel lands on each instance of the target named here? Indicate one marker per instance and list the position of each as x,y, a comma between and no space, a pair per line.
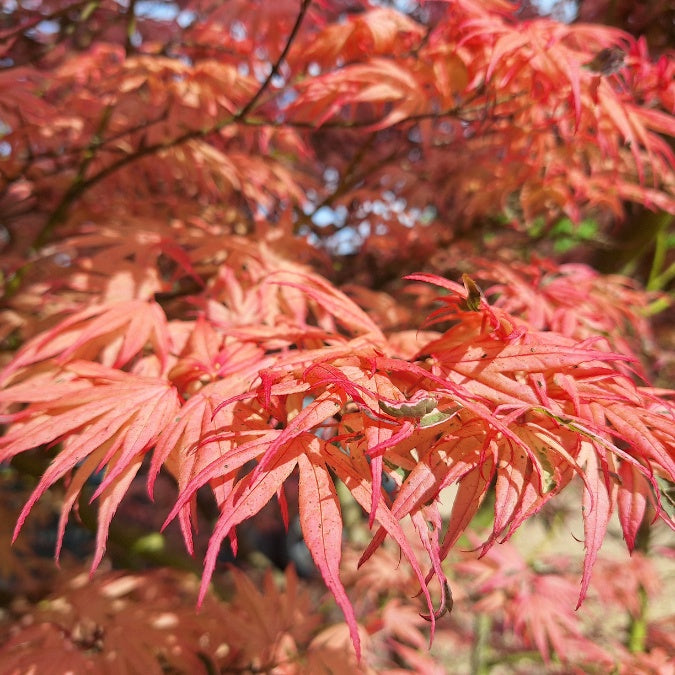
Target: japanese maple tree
308,247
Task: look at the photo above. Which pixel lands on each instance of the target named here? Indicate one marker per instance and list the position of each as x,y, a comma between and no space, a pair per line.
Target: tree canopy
208,209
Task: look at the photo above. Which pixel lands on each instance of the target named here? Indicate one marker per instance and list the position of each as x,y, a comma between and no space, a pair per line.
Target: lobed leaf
321,524
114,417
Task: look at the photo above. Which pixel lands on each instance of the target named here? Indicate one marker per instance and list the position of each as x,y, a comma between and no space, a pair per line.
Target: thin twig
78,185
277,64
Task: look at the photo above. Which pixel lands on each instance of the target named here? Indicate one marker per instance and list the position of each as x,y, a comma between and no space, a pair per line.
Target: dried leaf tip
416,407
446,605
607,61
473,295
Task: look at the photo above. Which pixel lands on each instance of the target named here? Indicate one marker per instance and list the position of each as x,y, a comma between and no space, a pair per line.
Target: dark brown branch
277,64
38,19
77,149
77,186
348,179
130,17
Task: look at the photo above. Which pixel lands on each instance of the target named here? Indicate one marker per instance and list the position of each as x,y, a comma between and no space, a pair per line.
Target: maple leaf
321,524
539,606
329,652
119,622
108,419
116,333
380,30
192,444
571,299
268,625
621,582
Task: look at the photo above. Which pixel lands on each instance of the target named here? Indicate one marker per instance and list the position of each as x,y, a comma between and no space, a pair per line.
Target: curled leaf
411,408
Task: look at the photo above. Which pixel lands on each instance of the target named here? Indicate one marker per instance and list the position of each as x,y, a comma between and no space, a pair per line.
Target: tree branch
277,64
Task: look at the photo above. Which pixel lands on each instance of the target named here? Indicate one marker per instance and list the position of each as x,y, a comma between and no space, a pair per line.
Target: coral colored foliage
169,286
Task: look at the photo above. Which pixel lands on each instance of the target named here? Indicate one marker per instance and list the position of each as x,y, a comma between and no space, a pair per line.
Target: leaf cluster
167,272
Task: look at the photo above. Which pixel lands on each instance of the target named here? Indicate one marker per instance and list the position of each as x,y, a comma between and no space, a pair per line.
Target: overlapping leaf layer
239,404
164,181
